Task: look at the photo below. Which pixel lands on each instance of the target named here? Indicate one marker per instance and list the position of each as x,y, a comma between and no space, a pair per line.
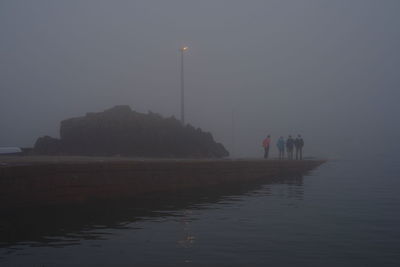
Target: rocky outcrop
121,131
47,145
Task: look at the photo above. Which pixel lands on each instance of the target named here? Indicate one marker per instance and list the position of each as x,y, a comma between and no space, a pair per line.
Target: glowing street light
182,50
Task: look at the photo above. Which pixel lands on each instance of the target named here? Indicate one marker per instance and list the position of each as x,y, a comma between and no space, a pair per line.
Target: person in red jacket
265,144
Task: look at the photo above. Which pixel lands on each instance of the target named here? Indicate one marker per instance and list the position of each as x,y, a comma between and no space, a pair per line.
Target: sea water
344,213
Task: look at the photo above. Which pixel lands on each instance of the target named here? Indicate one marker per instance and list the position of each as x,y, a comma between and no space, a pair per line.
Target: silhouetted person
265,144
289,147
281,147
299,143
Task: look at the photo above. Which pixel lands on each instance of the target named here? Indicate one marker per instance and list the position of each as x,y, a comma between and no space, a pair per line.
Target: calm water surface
345,213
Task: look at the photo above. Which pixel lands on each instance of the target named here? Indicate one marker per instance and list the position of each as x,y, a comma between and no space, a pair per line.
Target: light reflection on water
339,215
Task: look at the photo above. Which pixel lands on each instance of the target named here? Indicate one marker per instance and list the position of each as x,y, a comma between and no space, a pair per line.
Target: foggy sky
326,69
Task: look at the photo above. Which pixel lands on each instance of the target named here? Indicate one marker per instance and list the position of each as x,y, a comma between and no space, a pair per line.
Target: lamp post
182,50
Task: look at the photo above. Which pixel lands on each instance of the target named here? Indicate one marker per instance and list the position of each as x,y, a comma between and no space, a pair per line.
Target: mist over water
325,69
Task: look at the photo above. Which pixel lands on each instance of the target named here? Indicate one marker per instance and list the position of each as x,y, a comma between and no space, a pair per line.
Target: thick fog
328,70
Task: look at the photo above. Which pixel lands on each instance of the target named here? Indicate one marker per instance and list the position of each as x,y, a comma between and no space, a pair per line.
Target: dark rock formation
121,131
47,145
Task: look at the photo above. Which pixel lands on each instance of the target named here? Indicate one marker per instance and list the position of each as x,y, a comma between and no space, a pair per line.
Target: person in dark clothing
265,144
281,147
299,143
289,147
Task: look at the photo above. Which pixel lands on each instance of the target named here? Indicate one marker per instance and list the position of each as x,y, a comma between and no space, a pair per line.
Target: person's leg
301,153
297,153
266,149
